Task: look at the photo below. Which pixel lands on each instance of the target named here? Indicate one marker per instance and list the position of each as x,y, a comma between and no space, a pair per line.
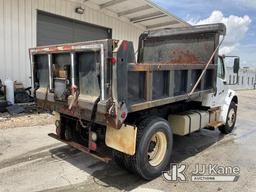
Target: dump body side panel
104,73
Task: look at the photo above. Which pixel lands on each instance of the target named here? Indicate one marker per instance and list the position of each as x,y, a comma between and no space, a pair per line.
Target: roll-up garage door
53,29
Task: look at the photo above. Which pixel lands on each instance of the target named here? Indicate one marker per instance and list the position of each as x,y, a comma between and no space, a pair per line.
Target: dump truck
114,103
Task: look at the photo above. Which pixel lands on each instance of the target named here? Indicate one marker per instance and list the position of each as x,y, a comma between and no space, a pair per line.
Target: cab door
218,98
222,88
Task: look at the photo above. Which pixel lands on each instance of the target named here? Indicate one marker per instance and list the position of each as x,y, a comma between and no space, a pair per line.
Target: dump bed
102,77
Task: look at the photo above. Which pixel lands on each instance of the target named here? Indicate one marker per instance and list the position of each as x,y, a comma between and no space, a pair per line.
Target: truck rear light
94,136
113,60
93,146
123,115
125,45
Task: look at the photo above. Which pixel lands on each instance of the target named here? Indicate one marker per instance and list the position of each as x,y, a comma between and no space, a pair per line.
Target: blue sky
239,15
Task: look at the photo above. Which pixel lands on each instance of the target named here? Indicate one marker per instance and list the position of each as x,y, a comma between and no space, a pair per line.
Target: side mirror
236,67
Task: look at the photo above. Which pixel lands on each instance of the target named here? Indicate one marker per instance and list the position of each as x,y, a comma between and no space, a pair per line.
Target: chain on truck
111,106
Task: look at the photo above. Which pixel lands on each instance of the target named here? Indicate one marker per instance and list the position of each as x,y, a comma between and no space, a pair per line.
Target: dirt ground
31,161
31,117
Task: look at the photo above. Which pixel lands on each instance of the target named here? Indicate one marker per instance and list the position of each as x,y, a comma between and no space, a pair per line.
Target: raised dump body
102,77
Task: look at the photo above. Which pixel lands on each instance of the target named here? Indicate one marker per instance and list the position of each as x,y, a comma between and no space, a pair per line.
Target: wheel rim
231,117
157,149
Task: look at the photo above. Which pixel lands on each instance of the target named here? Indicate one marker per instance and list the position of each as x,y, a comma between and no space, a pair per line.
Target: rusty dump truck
114,103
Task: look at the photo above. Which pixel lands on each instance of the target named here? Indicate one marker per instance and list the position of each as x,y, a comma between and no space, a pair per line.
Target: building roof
143,13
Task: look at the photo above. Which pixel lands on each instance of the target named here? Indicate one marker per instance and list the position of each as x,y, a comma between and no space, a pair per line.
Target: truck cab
224,97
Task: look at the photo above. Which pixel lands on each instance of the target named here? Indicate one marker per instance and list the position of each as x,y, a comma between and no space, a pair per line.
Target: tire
157,131
231,119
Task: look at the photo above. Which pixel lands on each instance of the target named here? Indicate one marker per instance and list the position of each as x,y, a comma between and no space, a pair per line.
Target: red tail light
93,146
113,60
125,45
123,115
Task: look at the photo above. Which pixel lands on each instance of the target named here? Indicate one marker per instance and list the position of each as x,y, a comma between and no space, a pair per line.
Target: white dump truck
107,101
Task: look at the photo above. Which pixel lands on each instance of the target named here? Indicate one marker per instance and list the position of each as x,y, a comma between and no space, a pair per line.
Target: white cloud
236,28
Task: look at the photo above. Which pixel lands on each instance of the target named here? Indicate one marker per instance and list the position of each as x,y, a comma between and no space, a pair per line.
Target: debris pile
12,94
18,108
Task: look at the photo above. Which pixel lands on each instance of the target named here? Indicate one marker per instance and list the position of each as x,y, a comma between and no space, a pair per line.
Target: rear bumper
84,149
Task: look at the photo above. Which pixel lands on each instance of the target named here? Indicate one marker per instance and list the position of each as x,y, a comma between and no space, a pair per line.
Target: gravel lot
31,117
32,161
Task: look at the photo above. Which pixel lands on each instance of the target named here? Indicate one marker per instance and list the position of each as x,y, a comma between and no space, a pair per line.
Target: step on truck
108,98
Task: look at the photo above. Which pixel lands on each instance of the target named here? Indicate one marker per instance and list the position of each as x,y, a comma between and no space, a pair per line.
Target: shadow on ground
111,176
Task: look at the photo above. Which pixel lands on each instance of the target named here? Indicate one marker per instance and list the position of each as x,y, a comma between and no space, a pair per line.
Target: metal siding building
127,19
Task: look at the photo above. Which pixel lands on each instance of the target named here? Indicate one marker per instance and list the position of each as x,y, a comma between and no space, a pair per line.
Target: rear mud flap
123,139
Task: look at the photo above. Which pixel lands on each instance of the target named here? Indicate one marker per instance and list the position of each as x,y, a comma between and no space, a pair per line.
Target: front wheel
231,119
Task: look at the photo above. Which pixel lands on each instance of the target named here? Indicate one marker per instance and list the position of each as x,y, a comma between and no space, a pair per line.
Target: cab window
221,68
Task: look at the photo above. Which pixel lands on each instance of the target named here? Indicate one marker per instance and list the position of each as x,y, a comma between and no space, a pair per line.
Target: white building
246,78
29,23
